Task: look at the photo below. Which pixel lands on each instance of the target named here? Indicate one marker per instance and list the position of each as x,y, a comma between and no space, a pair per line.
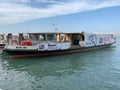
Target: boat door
74,39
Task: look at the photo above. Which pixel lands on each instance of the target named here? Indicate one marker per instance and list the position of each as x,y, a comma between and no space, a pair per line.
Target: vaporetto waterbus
24,45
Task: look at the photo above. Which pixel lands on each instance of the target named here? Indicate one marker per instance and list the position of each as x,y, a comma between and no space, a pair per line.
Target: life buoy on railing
26,43
14,41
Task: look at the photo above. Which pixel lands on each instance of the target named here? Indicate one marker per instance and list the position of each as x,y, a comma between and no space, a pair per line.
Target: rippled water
93,70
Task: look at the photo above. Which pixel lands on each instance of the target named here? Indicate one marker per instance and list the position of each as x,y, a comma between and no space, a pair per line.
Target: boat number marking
21,47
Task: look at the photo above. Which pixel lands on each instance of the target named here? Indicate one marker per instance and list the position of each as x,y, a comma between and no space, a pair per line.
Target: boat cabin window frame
37,37
41,37
65,37
15,37
26,36
33,37
51,37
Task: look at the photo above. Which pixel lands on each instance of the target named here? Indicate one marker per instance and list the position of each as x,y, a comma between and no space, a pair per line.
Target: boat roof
55,33
60,33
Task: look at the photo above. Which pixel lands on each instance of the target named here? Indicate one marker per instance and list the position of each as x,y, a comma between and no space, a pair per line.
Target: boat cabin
56,41
47,41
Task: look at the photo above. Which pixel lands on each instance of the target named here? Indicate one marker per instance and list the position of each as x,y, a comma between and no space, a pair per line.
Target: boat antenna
55,27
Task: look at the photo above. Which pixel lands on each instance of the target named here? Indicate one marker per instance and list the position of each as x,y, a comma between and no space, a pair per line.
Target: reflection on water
94,70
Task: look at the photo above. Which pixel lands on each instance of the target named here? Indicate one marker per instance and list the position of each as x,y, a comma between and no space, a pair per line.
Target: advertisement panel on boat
98,39
90,39
54,46
104,39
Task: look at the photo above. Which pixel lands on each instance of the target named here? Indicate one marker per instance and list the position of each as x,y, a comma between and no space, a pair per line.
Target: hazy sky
67,15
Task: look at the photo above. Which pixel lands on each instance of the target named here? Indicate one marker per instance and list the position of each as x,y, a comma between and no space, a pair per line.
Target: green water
93,70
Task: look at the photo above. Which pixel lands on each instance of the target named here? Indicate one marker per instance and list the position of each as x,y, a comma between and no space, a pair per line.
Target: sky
21,16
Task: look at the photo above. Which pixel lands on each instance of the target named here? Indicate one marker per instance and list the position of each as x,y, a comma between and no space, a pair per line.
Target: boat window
75,37
26,37
62,37
21,37
33,36
15,37
50,37
65,37
1,37
41,37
